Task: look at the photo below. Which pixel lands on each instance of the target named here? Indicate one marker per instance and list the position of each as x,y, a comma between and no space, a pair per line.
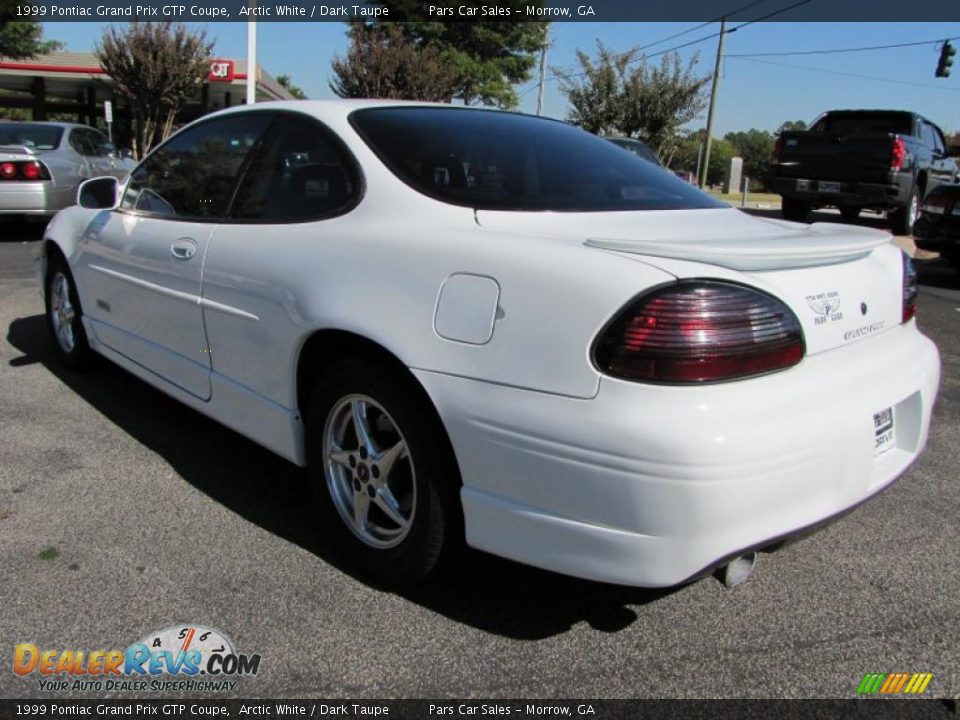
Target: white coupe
490,329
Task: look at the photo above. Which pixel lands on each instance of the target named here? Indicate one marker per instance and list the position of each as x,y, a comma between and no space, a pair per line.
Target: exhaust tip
738,570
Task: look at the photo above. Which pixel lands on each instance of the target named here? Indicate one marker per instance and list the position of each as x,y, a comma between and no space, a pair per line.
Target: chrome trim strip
228,309
186,297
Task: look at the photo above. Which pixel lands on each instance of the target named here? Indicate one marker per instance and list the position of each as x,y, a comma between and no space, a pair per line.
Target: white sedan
489,329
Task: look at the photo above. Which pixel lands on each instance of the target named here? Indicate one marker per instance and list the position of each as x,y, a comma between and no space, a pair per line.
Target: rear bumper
649,486
892,194
34,198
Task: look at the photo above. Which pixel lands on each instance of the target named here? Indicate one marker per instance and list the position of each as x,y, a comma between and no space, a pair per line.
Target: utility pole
713,102
543,70
252,57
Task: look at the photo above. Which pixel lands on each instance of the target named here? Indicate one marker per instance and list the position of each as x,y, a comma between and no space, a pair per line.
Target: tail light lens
777,149
899,153
700,331
29,170
910,290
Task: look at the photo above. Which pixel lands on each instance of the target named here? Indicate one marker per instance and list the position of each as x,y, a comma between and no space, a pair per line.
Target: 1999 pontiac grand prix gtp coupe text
494,329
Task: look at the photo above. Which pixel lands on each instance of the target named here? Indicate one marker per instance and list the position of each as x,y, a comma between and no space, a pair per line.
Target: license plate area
829,187
884,434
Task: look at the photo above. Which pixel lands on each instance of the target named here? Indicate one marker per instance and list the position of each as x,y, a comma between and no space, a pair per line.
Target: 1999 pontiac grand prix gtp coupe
494,329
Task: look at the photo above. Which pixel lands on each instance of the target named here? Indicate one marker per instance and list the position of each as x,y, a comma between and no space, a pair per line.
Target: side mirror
102,193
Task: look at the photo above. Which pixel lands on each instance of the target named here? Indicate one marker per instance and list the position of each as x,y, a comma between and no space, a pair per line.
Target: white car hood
724,237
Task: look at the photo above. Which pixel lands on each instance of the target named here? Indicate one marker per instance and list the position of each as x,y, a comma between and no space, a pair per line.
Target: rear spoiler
18,150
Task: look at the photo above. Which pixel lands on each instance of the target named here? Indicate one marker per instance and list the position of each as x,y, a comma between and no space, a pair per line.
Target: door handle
184,248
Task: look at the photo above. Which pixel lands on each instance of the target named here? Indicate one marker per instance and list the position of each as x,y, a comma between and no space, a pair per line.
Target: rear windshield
38,137
492,160
637,148
864,123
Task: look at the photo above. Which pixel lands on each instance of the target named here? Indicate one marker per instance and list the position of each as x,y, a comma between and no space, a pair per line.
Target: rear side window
865,123
492,160
193,175
300,172
88,142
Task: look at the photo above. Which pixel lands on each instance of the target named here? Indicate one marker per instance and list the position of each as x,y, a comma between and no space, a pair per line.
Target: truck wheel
903,218
795,210
849,213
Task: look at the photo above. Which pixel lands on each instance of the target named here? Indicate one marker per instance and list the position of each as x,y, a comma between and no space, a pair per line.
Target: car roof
340,107
65,125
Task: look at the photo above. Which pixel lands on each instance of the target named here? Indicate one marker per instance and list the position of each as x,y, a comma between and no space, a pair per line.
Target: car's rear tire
64,316
383,472
795,210
903,218
849,213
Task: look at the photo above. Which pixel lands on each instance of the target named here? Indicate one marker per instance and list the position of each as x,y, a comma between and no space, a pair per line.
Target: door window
194,174
300,172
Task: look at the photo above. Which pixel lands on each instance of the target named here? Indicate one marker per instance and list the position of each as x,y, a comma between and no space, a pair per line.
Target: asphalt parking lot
122,512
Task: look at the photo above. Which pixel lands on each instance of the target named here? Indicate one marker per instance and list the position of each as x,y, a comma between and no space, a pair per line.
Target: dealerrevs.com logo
182,657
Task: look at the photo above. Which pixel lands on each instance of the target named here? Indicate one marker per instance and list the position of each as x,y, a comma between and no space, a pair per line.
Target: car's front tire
64,316
903,218
383,472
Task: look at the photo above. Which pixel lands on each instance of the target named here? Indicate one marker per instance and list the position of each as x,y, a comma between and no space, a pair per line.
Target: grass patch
735,198
50,553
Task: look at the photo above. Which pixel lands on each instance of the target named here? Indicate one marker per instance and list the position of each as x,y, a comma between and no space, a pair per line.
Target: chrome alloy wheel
62,312
913,211
369,471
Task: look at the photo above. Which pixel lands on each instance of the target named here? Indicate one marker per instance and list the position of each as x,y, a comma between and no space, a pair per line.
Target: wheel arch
324,348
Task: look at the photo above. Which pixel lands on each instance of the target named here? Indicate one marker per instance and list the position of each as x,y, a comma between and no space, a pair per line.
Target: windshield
637,148
864,123
38,137
492,160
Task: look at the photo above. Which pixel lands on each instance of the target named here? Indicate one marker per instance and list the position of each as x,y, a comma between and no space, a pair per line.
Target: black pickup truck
884,160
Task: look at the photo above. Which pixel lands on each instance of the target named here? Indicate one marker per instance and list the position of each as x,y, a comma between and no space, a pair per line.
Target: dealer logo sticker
826,305
178,658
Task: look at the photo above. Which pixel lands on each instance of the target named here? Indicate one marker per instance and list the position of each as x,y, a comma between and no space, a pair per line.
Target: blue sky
753,92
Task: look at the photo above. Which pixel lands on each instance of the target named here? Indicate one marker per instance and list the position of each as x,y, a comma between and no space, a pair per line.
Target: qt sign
220,71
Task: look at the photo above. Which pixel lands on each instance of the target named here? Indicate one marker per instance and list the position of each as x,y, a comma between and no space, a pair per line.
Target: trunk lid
843,282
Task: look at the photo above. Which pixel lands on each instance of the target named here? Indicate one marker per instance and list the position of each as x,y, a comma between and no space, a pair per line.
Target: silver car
41,164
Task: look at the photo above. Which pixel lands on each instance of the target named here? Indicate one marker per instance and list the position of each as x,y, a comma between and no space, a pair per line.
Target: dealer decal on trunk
826,305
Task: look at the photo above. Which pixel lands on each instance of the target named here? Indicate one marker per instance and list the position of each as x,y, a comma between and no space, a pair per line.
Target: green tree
382,63
689,148
790,125
755,147
22,40
487,57
287,84
624,94
157,67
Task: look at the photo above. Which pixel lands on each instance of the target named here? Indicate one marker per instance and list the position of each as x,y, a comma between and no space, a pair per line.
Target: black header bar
494,10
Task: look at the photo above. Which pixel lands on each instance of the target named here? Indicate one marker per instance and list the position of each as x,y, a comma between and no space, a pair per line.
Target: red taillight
29,170
910,290
899,153
700,331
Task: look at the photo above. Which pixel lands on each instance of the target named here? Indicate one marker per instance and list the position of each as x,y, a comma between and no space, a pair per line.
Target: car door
292,206
142,264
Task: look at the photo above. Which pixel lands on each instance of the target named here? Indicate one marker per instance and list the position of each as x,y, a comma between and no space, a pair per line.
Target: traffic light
946,59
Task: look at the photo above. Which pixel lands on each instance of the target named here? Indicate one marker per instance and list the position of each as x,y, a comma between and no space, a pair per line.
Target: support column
38,89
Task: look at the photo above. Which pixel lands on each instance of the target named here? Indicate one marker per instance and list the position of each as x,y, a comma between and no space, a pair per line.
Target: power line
846,74
839,50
